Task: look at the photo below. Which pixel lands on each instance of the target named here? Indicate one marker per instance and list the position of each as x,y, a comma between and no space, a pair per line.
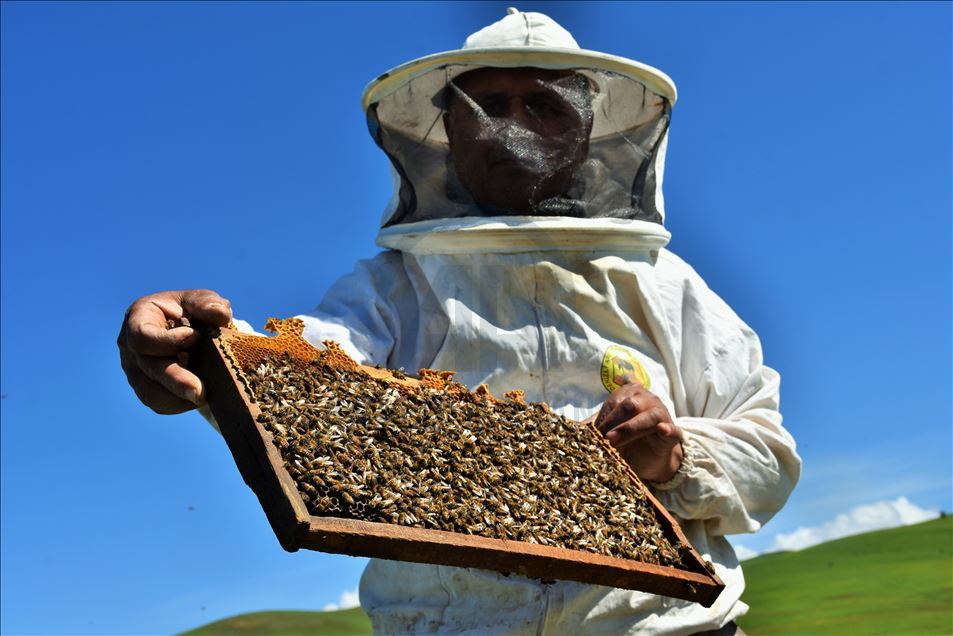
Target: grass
349,622
897,582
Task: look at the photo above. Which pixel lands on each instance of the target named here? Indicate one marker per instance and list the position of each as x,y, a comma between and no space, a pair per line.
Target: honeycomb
377,445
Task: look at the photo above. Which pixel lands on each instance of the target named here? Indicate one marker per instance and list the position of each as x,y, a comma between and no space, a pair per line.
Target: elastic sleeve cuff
688,464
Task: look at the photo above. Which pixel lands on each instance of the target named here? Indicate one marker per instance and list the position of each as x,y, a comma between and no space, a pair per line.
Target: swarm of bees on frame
441,457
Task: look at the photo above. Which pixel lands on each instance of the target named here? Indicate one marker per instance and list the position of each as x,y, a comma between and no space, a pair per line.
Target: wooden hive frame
262,468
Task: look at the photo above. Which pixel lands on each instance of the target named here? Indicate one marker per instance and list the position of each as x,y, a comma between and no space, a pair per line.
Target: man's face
517,135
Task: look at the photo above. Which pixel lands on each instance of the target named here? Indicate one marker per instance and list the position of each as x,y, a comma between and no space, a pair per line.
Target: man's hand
152,348
638,425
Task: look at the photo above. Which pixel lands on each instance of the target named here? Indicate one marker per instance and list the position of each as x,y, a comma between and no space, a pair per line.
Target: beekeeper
525,248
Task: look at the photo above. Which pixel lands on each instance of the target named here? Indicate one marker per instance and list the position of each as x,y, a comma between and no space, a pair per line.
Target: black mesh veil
476,141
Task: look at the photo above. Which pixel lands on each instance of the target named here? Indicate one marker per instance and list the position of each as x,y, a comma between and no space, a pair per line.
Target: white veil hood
621,179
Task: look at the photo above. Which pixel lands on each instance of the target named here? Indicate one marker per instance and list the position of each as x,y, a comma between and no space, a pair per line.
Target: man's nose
518,112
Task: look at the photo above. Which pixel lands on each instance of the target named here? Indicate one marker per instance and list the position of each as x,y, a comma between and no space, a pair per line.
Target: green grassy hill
340,623
897,582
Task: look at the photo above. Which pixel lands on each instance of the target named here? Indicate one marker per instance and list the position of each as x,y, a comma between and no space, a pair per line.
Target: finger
154,395
613,400
668,430
207,307
174,377
622,410
642,425
667,436
145,330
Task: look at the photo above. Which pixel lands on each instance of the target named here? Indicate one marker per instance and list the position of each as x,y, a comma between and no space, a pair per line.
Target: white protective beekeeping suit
565,303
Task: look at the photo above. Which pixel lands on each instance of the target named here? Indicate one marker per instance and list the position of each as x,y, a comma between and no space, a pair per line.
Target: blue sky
160,146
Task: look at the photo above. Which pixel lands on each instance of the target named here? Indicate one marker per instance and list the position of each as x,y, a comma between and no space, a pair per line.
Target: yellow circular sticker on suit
620,367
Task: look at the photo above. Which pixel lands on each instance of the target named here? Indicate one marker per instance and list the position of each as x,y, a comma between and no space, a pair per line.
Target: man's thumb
207,307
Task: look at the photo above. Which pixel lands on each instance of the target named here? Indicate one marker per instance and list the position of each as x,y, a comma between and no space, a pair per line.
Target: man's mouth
508,162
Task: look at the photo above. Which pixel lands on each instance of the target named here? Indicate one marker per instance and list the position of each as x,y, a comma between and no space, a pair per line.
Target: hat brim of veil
512,57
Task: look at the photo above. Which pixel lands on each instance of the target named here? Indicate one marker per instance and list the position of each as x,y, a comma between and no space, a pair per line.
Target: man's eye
544,107
494,106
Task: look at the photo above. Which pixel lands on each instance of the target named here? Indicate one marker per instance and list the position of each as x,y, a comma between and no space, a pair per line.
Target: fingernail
612,436
195,397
